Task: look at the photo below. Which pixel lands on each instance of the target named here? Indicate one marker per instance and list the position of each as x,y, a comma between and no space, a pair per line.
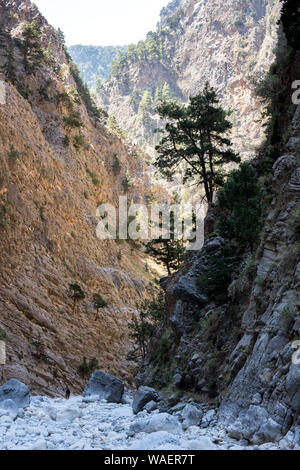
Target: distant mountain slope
223,42
95,61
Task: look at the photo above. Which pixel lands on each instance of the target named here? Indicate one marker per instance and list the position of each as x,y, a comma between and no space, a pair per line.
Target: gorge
222,353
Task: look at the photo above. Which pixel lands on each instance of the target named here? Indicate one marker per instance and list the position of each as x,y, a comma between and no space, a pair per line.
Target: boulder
187,290
143,396
155,423
256,426
248,423
177,379
191,416
68,414
14,395
156,440
39,445
151,406
208,418
105,386
202,443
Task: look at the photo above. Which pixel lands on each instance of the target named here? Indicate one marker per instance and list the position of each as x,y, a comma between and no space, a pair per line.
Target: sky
102,22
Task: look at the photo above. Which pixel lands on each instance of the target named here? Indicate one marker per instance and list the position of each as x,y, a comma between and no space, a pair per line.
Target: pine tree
167,251
195,136
76,293
9,67
98,302
31,48
142,326
61,37
145,103
49,57
165,92
241,199
170,253
157,96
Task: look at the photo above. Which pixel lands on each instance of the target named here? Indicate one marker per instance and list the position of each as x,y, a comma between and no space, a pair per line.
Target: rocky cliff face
196,41
238,354
239,351
95,61
57,165
266,389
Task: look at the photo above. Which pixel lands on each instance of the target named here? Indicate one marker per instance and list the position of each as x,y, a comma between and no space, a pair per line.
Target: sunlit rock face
223,42
49,193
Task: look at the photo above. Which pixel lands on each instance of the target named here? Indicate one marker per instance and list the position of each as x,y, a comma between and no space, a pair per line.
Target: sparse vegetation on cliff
196,135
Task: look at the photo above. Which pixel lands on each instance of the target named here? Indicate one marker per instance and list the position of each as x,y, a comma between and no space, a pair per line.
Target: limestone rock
294,183
157,422
14,395
105,386
143,396
191,416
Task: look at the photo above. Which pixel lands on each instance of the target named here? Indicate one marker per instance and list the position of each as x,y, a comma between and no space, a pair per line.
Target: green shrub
66,141
99,302
66,99
3,216
116,165
87,367
14,155
39,346
76,293
73,120
216,278
3,335
127,183
79,141
243,282
43,93
94,177
240,197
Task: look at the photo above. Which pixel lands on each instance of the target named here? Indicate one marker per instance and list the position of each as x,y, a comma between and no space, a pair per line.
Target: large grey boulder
187,290
157,422
160,440
143,396
105,386
151,406
256,426
191,416
208,419
14,395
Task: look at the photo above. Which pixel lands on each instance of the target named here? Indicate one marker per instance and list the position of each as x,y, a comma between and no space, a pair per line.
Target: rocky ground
88,424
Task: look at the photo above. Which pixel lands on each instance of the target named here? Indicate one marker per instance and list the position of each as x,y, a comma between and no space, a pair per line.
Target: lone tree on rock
143,325
170,253
76,293
98,302
195,137
31,48
166,248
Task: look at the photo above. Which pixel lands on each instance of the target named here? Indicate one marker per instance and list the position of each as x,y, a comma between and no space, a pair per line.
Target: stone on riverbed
157,422
143,396
105,386
14,395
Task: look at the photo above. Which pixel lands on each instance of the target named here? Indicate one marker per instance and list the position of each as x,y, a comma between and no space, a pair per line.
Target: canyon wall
223,42
58,163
